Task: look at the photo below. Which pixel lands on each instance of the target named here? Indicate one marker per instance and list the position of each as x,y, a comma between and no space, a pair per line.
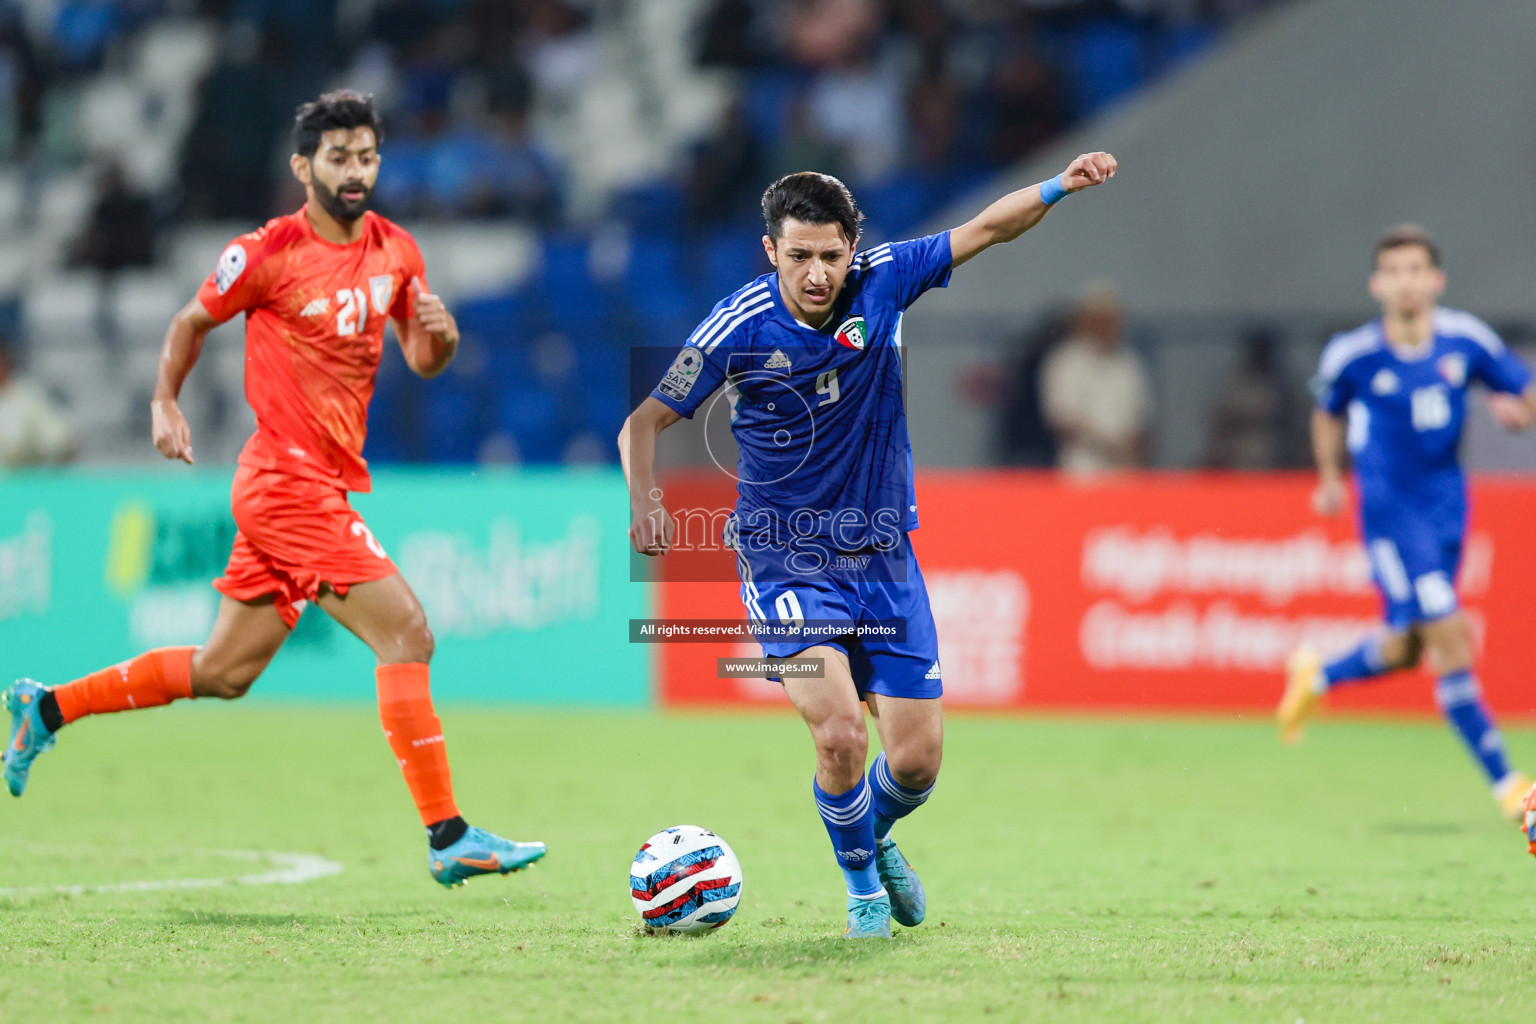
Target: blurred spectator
21,87
527,183
1095,393
855,100
859,109
1028,107
119,235
804,147
492,106
728,36
82,29
121,231
726,175
226,159
562,52
934,113
33,429
1250,416
1023,437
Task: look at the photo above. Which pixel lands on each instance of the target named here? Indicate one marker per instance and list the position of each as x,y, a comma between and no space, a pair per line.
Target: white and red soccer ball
685,880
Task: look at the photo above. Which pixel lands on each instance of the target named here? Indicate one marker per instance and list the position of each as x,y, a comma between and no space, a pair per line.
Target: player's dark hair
344,109
812,198
1404,235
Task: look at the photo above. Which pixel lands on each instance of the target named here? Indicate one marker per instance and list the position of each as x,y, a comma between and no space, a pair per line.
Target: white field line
290,869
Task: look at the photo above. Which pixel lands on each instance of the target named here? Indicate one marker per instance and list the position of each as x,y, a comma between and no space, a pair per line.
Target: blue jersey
817,413
1405,414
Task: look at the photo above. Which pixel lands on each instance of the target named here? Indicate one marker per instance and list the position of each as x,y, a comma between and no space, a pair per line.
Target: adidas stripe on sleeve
700,368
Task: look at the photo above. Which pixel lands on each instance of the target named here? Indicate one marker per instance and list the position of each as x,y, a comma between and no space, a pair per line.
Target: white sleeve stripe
702,332
751,294
1465,325
1345,349
879,254
740,319
876,262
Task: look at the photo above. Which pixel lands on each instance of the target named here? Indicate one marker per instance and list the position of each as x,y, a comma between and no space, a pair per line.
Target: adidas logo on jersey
933,673
777,361
318,307
1385,382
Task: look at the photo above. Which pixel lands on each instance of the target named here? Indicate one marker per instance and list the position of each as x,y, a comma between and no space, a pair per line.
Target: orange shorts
296,536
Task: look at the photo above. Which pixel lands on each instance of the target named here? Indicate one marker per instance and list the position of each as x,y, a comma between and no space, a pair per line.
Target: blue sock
1364,662
1461,701
850,823
892,801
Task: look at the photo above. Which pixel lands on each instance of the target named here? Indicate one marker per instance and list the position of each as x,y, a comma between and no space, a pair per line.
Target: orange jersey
314,333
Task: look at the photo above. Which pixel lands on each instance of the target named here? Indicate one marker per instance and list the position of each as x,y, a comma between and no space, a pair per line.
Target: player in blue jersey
1393,394
810,357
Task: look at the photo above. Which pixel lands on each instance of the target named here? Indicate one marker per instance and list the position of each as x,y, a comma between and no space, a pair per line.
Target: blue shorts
1414,566
860,588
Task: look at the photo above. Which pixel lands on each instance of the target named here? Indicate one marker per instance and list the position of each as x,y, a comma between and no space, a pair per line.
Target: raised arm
651,529
183,344
430,338
1328,433
1017,212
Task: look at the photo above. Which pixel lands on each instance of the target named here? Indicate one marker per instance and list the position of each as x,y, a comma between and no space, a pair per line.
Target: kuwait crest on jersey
1453,368
853,333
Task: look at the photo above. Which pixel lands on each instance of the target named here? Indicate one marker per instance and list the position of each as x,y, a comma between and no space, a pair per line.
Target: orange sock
415,734
153,678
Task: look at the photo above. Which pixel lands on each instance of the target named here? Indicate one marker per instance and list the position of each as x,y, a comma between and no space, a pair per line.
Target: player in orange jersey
316,287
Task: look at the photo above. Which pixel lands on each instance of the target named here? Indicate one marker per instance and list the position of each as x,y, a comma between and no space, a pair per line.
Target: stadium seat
60,311
174,55
143,302
1107,63
477,259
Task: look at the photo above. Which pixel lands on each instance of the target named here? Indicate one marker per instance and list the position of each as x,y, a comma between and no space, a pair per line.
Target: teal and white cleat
869,919
29,736
909,904
479,852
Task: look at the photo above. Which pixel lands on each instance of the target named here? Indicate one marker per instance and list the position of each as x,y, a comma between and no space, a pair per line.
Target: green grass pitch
1077,870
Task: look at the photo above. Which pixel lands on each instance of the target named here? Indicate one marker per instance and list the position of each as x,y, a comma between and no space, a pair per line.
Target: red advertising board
1179,591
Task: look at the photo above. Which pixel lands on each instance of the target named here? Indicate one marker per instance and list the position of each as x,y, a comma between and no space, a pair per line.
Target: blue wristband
1052,191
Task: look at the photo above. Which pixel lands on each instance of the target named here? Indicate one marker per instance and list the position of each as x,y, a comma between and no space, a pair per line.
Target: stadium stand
582,176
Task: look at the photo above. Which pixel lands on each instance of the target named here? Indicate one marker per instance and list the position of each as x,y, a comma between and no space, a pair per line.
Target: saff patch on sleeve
682,374
231,265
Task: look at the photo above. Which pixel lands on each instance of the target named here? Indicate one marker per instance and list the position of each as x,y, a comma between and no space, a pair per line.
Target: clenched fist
1089,169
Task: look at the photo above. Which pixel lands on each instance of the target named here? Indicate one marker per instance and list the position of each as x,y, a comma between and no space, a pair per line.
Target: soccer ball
685,880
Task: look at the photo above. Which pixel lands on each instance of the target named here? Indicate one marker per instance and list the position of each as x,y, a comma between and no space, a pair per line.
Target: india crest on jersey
382,288
852,334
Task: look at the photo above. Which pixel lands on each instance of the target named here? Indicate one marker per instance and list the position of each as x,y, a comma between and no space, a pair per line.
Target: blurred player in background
811,356
1393,393
316,287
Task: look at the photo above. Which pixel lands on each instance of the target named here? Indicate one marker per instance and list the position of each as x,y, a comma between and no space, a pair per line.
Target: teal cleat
29,736
869,919
479,852
909,904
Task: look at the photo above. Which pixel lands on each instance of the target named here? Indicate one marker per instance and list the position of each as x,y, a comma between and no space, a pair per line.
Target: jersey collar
774,289
1403,355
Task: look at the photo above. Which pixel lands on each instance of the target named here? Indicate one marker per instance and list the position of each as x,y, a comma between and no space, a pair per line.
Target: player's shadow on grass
221,919
781,954
1421,828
